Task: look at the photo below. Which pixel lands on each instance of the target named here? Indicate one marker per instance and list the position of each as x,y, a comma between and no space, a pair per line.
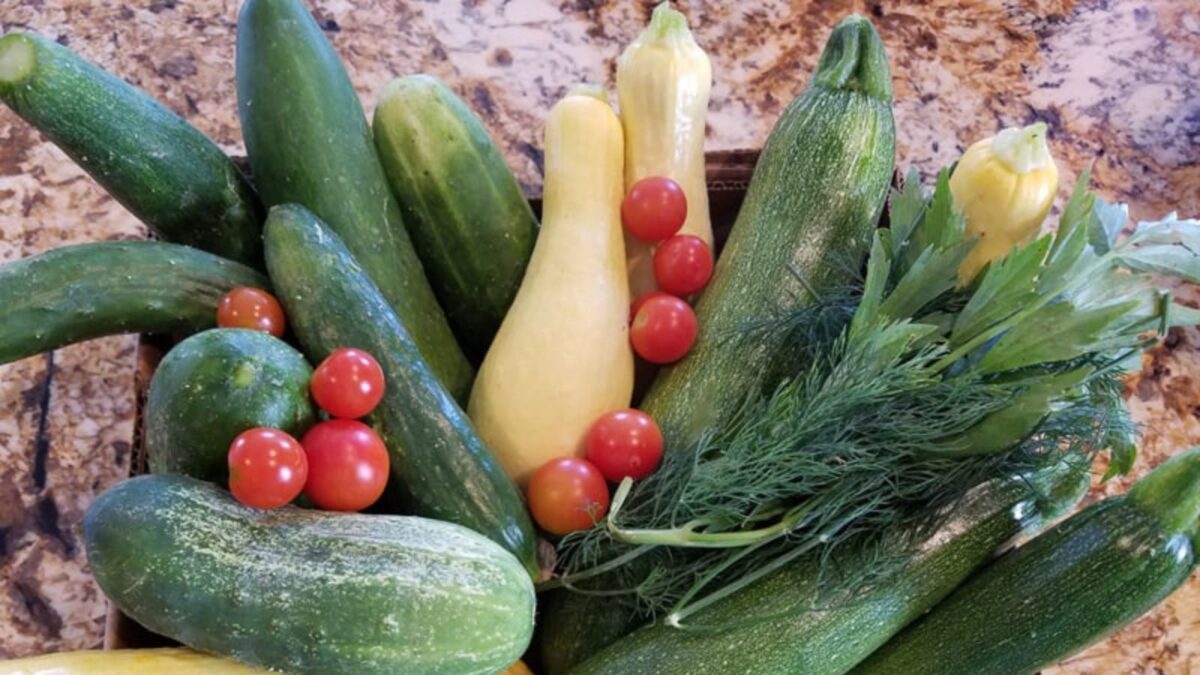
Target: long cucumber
309,144
448,472
85,291
796,635
1065,589
158,166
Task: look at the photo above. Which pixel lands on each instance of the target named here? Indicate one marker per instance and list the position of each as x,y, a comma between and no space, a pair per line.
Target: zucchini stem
17,58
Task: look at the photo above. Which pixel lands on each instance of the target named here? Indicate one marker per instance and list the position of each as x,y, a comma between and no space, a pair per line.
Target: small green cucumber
212,387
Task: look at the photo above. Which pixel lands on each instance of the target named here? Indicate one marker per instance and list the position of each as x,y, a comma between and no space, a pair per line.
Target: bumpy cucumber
158,166
212,387
309,143
305,591
85,291
472,227
447,471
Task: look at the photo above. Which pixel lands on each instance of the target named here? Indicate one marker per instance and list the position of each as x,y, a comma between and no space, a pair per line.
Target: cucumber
810,210
212,387
1060,592
158,166
309,143
307,591
472,227
85,291
446,470
831,641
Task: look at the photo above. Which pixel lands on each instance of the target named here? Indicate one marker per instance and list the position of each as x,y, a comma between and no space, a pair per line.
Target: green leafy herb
926,390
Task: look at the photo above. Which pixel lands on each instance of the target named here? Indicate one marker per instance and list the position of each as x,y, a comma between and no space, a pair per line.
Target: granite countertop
1115,81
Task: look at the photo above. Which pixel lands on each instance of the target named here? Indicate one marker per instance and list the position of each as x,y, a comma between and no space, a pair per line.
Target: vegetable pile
850,409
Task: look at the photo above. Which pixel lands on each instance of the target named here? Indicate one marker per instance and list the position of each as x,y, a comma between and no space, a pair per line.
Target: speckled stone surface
1118,81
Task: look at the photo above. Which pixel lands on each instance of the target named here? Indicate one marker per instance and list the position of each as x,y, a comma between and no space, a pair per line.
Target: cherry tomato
267,468
567,494
663,330
641,300
347,465
683,264
624,443
654,208
254,308
348,384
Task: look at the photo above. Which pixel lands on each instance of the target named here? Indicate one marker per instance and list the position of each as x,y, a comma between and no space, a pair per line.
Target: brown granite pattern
1115,79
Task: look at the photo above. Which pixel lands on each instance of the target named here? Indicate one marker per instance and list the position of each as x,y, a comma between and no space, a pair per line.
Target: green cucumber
447,471
472,227
85,291
158,166
305,591
810,211
212,387
309,143
797,639
1069,587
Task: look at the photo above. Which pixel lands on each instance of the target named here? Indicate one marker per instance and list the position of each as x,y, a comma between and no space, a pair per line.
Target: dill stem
687,537
568,579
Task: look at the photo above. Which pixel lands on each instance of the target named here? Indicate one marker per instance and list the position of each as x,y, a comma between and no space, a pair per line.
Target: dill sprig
893,409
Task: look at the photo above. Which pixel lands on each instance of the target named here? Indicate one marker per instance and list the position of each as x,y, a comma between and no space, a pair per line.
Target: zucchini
309,143
810,210
158,166
447,471
797,639
212,387
173,660
85,291
472,227
1073,585
307,591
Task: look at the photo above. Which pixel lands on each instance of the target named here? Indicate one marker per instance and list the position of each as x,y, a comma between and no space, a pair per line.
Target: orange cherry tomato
254,308
566,495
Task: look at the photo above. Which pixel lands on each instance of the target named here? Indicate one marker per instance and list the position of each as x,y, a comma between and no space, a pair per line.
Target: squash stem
1171,493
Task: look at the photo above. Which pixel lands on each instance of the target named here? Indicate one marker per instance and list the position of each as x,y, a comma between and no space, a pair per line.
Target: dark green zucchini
447,471
813,203
472,227
303,591
158,166
309,143
212,387
796,638
810,211
1065,589
85,291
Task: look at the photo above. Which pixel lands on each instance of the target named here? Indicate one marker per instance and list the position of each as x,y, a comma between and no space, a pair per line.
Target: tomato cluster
340,465
662,325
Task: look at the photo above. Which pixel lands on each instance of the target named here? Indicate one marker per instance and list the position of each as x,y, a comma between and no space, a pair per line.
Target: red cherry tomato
254,308
348,384
683,264
567,494
641,300
663,330
624,443
347,465
654,208
267,468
